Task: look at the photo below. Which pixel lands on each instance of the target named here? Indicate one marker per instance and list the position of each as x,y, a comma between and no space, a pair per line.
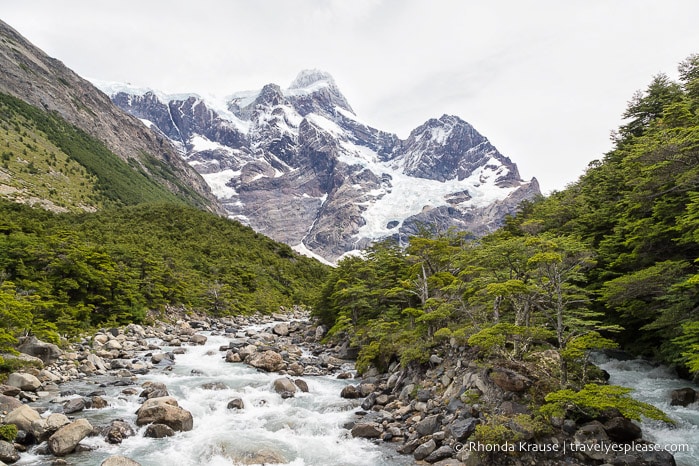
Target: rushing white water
306,430
653,384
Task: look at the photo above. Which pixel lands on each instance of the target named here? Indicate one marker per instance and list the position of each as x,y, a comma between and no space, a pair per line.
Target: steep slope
31,76
300,166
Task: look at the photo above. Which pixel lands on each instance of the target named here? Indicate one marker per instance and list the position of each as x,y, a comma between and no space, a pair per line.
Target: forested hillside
64,273
46,161
612,259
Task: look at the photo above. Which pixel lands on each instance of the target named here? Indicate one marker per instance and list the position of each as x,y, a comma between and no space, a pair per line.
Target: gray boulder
284,385
67,437
461,429
8,454
42,429
176,418
424,450
22,417
119,461
269,361
367,430
350,392
429,425
8,403
117,431
47,352
158,431
24,381
281,329
439,454
683,397
74,405
236,403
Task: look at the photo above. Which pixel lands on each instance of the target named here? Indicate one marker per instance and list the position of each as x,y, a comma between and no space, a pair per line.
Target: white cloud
545,81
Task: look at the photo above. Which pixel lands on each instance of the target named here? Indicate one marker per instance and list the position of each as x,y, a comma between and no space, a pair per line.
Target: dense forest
61,274
609,261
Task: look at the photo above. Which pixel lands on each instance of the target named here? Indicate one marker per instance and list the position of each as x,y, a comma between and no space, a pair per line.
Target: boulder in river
367,430
22,417
153,390
8,454
162,411
683,397
119,461
42,429
74,405
281,329
117,431
158,431
350,392
67,437
236,403
283,386
269,361
24,381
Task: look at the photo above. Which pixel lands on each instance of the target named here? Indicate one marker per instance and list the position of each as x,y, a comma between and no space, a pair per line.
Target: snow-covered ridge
298,165
309,79
111,88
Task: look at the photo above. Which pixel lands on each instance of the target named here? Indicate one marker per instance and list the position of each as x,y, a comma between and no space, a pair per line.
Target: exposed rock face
300,167
46,83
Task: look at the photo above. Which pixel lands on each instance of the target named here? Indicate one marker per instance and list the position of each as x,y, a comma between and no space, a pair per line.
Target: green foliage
8,432
500,430
66,273
612,259
593,399
637,209
499,340
91,175
15,315
689,340
9,364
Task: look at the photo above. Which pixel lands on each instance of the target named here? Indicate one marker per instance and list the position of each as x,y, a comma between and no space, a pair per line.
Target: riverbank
264,389
241,413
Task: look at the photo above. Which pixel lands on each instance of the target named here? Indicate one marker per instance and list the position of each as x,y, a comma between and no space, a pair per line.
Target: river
306,430
653,384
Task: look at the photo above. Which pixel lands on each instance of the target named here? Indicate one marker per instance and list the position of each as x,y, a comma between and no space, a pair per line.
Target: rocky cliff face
299,166
44,82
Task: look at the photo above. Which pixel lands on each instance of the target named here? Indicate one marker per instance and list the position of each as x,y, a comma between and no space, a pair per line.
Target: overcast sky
545,81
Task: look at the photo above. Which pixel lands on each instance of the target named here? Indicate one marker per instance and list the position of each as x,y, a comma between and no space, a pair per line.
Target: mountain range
300,166
67,147
296,164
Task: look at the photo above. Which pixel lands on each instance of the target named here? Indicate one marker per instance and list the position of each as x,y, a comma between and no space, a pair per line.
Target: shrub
593,399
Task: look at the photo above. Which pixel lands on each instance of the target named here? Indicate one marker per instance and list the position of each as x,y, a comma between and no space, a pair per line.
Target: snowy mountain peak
312,78
299,166
270,95
315,91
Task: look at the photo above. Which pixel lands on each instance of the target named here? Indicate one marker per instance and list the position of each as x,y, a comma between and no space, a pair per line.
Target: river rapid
653,384
306,430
